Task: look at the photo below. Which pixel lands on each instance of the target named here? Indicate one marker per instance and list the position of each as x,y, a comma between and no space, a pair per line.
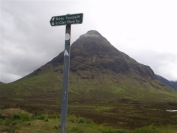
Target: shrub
111,130
40,117
54,116
57,127
81,120
88,121
72,118
76,130
1,117
145,130
21,116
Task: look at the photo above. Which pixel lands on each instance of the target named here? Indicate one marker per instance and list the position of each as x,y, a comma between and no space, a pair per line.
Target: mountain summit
92,50
98,71
92,33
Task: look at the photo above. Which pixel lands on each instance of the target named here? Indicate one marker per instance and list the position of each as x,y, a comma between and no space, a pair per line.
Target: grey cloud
28,41
8,77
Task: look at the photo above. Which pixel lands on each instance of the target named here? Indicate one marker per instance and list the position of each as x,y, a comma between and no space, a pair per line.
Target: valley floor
122,117
51,124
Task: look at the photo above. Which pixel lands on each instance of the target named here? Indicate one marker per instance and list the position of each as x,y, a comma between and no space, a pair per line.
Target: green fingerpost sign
66,19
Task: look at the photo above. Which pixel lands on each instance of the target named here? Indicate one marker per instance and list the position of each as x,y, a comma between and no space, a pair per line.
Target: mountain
172,84
93,51
105,85
99,73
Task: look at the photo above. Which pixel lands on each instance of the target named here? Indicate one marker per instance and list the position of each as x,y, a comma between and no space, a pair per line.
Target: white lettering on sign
60,22
70,21
59,18
53,18
73,17
77,21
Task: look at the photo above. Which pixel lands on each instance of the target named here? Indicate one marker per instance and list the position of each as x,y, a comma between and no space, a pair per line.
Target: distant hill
172,84
1,83
99,73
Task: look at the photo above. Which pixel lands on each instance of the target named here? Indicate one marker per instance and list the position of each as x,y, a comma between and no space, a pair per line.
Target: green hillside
1,83
109,85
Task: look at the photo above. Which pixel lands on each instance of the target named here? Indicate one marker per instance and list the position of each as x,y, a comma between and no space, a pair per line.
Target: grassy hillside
106,85
1,83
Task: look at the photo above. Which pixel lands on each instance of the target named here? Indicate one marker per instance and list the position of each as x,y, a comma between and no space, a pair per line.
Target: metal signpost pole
57,21
65,79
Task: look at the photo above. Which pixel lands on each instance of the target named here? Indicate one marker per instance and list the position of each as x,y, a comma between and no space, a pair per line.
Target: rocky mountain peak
93,51
92,33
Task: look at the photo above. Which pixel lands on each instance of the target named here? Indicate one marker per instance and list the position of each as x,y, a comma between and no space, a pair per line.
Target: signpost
66,19
57,21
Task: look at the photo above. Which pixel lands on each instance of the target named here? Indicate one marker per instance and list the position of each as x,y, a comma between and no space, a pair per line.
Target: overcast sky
146,30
